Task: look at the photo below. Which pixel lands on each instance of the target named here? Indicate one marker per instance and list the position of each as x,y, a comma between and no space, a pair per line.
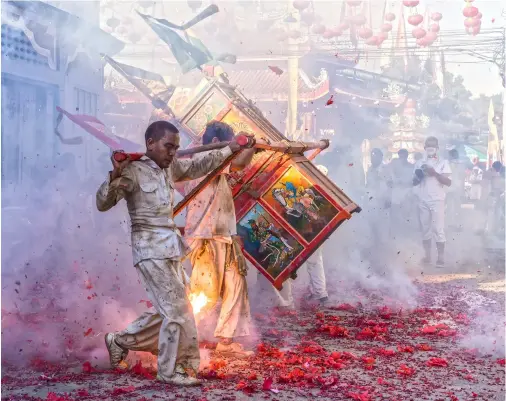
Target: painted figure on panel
267,242
300,203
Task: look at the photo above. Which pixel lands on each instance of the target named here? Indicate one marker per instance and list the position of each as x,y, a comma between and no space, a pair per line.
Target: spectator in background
494,186
432,176
457,190
402,184
379,192
475,179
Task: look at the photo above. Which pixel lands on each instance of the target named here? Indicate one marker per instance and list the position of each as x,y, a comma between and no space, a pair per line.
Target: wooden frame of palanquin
222,102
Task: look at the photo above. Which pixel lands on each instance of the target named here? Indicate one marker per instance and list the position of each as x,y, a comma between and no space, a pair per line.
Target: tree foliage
456,106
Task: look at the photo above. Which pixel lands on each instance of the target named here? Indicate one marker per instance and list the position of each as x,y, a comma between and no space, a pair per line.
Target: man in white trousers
218,265
432,177
317,289
147,186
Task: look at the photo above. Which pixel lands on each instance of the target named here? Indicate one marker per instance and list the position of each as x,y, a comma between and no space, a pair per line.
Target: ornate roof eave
27,15
342,95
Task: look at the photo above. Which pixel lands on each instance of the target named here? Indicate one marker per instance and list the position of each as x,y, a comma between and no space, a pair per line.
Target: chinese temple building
44,66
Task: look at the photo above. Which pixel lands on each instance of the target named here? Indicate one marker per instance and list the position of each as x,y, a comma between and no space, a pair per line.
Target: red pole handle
120,156
242,140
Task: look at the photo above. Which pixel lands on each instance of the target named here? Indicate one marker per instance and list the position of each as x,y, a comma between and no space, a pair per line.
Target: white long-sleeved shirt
149,193
211,215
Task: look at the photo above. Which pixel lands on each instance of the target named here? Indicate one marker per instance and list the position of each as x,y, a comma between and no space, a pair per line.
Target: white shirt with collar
430,189
149,193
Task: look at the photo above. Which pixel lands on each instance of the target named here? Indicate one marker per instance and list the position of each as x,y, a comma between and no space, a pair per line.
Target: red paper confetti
140,370
330,101
501,362
55,397
246,387
405,371
87,368
360,396
267,385
123,390
439,362
88,332
149,304
276,70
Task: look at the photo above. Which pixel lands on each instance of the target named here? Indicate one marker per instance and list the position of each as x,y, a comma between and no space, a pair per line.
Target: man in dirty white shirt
147,185
218,265
432,177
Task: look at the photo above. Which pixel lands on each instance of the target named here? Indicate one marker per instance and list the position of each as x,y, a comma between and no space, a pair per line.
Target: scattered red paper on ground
140,370
360,396
217,364
123,390
246,387
330,101
88,332
440,362
87,368
267,385
55,397
405,371
501,362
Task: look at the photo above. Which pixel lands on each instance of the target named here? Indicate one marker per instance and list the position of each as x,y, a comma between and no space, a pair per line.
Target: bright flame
198,302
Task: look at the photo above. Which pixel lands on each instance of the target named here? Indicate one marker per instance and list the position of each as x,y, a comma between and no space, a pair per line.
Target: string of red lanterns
473,18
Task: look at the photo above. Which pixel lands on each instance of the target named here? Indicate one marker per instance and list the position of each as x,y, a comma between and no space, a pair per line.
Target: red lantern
354,3
479,15
382,36
411,3
470,22
372,41
476,30
422,42
390,17
357,20
431,37
318,29
419,33
343,26
365,33
386,27
470,11
415,19
301,4
435,28
436,17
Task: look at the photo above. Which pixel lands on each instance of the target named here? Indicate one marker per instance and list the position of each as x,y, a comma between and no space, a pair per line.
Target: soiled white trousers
432,220
170,332
217,277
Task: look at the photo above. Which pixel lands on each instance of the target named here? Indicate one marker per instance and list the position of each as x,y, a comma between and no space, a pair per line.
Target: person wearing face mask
432,177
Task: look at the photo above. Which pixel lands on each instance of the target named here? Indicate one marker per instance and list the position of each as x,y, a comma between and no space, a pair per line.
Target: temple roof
256,84
265,85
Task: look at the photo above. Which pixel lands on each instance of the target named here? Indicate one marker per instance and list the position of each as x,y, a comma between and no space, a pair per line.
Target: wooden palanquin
285,207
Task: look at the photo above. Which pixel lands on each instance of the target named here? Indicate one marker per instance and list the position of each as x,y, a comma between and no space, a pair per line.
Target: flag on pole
189,52
150,84
96,128
187,55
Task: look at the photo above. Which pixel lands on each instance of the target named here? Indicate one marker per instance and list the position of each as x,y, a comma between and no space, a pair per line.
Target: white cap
323,169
